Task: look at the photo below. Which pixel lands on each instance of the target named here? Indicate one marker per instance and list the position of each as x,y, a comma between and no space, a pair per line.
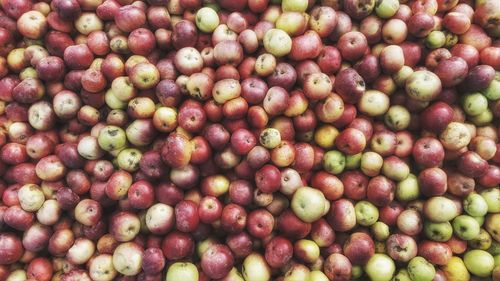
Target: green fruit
479,263
483,119
440,232
380,231
366,213
492,92
184,271
112,138
474,104
407,189
402,275
492,198
494,248
356,272
440,209
397,118
207,19
380,267
334,162
401,76
435,39
308,204
113,102
420,269
386,8
270,138
128,159
277,42
481,242
294,5
353,161
465,227
423,85
451,39
475,205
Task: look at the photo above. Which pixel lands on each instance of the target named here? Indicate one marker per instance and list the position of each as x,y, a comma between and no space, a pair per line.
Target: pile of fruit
253,140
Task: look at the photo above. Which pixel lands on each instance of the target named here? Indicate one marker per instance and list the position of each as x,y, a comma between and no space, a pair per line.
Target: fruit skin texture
252,140
420,269
380,267
308,204
11,248
182,271
479,262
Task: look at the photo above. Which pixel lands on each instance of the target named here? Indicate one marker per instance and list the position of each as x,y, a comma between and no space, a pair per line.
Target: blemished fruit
249,140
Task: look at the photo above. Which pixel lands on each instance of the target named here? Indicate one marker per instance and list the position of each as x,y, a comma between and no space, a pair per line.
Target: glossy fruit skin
249,140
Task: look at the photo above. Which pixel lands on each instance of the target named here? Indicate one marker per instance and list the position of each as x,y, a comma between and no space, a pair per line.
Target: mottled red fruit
177,245
351,141
278,252
435,252
291,226
242,141
338,267
472,165
186,216
380,190
428,152
39,269
233,219
359,248
260,223
432,182
217,261
268,178
436,117
11,248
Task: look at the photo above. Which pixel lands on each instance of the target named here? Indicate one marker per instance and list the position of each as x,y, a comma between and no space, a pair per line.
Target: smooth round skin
207,19
479,262
255,268
407,189
465,227
366,213
492,198
334,162
475,205
127,259
423,85
111,138
308,204
270,138
440,232
294,5
440,209
277,42
386,8
474,104
380,267
182,271
420,269
374,103
456,270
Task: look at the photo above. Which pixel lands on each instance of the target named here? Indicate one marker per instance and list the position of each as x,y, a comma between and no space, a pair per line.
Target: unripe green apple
207,19
420,269
308,204
184,271
479,263
380,267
